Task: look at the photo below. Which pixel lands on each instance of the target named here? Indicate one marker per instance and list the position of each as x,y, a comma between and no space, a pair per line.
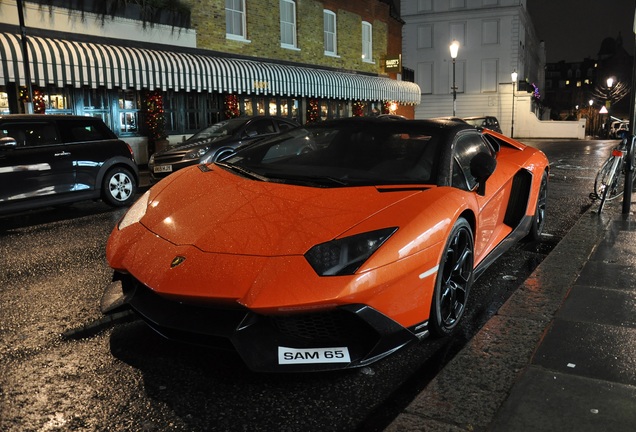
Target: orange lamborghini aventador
330,246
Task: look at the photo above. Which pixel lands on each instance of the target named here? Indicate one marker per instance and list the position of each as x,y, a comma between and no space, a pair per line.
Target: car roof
441,123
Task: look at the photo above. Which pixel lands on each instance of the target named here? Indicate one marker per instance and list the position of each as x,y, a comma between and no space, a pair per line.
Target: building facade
496,38
308,60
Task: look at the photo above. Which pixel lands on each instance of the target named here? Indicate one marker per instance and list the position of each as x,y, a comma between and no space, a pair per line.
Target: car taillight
132,154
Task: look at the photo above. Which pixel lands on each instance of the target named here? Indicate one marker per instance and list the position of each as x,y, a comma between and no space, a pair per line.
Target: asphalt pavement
560,354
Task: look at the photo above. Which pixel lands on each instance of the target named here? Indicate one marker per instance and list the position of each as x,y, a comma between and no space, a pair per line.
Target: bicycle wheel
604,178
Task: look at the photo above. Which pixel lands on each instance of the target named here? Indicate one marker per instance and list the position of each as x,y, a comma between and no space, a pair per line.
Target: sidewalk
560,355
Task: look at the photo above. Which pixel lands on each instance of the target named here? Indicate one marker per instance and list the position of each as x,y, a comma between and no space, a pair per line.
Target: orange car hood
217,211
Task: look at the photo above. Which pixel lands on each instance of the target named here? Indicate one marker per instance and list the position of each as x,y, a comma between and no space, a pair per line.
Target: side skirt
517,234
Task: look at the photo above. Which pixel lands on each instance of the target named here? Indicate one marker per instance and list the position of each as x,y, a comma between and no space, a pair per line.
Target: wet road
61,368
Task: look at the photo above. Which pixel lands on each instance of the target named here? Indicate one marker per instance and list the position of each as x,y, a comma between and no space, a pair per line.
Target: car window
260,127
79,131
284,126
31,134
466,147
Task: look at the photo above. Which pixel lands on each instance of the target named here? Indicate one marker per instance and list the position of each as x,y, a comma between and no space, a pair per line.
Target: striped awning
68,63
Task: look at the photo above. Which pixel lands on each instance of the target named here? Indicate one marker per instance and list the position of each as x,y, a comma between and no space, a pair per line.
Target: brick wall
263,31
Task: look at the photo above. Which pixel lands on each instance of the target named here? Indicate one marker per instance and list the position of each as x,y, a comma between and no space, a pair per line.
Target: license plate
313,355
162,168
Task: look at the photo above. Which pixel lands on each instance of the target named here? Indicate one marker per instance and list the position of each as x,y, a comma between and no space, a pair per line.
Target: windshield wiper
308,179
242,171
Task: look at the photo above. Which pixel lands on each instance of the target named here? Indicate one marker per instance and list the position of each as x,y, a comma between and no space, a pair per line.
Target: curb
467,394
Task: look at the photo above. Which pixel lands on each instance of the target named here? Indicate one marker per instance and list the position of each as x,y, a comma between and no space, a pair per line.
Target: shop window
235,20
367,42
324,110
129,105
191,117
273,107
96,104
331,41
248,109
56,101
4,103
288,24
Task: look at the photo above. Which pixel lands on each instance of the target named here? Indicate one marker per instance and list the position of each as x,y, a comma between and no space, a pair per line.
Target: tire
538,221
119,187
454,280
602,179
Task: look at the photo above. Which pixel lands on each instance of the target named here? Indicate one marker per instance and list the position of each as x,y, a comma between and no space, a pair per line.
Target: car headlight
196,154
151,160
344,256
135,212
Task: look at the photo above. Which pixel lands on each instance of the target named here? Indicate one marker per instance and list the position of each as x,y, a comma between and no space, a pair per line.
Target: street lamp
454,49
610,82
591,122
514,76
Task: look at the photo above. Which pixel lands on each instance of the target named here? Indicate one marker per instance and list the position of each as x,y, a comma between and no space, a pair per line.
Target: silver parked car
216,142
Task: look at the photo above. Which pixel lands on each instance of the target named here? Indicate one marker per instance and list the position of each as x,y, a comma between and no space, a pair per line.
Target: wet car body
215,142
332,258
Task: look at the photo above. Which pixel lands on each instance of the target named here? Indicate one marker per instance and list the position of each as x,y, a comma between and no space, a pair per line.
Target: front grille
326,327
168,158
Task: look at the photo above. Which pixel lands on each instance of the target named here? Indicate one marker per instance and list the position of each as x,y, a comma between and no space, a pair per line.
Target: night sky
574,29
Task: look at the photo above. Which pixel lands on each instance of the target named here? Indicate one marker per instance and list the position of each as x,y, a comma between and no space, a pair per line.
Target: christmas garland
358,108
231,104
155,119
313,111
39,107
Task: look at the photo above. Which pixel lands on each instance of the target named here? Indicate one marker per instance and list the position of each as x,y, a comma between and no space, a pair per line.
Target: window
425,77
489,81
331,46
73,131
31,134
425,36
460,66
288,24
424,5
367,42
128,111
235,19
490,32
4,103
96,104
458,33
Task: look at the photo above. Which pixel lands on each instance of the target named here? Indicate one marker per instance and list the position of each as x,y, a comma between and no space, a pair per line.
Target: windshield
220,129
344,153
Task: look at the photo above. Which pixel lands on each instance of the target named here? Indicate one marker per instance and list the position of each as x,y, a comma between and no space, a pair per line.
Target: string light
231,104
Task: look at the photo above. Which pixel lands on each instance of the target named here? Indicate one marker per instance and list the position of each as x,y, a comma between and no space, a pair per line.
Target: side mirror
482,165
8,143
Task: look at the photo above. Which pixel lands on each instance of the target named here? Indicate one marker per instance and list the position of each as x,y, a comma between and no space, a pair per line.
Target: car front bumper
345,337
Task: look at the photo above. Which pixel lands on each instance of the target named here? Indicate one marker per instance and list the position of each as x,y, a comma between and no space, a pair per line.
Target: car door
491,206
38,165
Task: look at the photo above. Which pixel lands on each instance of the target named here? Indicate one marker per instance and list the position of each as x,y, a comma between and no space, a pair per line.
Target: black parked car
488,122
60,159
216,142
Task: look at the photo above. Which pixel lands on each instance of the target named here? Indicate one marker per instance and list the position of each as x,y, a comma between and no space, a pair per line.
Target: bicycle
609,182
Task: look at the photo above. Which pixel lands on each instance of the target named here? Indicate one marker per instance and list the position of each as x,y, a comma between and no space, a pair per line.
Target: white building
496,37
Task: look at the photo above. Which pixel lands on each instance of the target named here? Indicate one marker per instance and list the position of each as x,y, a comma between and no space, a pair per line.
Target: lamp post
608,103
513,75
454,49
591,123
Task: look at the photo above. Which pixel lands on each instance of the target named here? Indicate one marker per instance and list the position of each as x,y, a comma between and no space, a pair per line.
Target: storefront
189,89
